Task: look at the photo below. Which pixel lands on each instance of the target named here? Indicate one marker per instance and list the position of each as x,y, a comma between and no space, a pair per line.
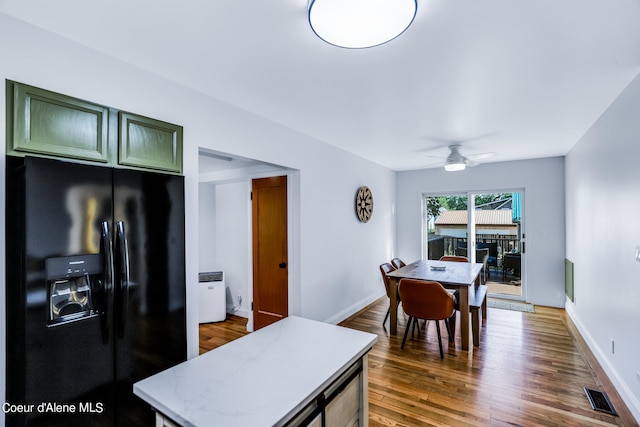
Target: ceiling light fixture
360,23
454,167
455,161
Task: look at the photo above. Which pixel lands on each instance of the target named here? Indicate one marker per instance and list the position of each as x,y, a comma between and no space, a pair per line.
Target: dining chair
479,303
454,258
397,263
385,269
482,257
456,294
426,300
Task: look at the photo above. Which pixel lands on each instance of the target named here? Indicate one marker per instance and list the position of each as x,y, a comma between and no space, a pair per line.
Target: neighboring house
492,222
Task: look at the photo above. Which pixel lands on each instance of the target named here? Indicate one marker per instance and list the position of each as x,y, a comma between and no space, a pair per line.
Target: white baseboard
352,309
621,386
242,311
334,320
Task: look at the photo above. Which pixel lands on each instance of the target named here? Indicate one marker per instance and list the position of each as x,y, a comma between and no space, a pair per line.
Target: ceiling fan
455,161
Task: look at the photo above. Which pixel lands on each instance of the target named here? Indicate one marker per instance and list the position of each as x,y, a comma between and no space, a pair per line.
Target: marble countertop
261,379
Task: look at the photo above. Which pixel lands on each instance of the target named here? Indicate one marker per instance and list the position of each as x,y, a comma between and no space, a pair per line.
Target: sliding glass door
490,223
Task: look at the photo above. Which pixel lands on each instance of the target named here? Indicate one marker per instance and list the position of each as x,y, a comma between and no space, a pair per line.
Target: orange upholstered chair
426,300
480,304
454,258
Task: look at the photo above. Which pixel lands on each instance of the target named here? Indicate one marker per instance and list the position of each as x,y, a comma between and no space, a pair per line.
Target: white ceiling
521,78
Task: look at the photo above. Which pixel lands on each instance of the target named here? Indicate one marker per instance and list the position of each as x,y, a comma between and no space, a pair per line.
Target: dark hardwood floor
529,370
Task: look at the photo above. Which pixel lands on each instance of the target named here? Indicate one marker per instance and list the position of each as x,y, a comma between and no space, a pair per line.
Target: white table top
260,379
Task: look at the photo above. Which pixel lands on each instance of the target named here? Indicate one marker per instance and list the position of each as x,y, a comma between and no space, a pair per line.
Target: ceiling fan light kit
454,167
359,24
455,161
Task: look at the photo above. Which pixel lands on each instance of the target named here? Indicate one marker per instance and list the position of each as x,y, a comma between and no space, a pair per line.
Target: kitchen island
294,372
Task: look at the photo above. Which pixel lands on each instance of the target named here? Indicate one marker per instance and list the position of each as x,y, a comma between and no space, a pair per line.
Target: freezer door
149,280
57,209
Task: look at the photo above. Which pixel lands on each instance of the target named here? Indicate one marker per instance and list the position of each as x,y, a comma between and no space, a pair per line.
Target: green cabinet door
149,143
53,124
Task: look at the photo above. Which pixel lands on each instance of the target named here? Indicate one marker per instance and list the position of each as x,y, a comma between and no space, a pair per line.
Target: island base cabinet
316,422
343,404
344,409
162,421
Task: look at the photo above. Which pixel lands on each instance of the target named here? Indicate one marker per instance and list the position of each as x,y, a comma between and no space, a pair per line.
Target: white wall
603,229
543,207
207,227
224,238
233,251
336,258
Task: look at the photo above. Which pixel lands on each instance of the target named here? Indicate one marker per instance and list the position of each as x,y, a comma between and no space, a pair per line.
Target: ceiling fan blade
471,163
437,148
481,155
431,165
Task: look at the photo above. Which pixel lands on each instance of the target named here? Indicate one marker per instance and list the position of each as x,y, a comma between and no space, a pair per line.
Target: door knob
283,265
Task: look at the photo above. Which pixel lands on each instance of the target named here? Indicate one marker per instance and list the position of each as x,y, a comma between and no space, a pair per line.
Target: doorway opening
490,223
225,227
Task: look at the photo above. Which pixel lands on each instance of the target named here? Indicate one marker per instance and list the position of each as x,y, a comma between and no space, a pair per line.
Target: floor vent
599,401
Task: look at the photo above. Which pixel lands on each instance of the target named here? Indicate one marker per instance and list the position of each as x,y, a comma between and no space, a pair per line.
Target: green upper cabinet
40,122
53,124
149,143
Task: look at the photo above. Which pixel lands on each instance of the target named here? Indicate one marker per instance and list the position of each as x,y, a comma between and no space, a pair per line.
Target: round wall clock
364,204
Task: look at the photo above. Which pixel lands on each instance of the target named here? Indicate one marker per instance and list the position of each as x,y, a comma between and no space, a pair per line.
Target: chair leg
449,333
416,324
386,316
439,339
406,331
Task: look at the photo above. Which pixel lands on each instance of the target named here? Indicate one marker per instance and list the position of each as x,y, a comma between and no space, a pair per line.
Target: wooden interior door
270,256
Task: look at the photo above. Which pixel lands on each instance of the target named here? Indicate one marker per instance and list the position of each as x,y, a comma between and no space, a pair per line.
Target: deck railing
446,245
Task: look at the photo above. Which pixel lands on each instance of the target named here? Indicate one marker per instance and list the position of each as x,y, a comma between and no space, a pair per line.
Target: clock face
364,204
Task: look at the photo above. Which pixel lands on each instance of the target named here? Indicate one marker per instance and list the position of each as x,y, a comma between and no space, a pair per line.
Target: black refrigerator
95,283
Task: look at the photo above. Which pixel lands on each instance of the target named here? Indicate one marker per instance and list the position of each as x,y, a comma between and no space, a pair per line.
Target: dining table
452,275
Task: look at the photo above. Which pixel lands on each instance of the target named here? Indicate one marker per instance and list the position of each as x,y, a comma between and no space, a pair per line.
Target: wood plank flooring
214,335
528,371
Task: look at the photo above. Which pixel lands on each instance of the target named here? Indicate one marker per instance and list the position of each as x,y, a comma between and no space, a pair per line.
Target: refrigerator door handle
123,277
106,294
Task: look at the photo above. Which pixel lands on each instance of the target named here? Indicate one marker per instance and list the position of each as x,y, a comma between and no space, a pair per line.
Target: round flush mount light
360,23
